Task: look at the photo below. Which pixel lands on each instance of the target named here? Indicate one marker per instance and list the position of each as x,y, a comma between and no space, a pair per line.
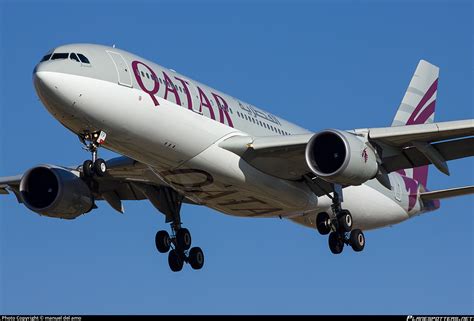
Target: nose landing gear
92,142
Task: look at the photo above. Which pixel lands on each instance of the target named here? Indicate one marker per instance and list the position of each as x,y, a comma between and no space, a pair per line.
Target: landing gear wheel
196,258
183,239
162,241
323,223
345,221
87,168
336,243
100,167
357,240
175,261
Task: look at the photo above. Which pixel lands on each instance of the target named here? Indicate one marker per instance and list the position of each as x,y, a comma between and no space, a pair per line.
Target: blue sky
321,64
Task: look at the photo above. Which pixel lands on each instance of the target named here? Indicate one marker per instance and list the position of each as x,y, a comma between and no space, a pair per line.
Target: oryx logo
365,155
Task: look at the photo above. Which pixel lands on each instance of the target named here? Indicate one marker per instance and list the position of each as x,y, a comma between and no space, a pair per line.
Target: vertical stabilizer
418,107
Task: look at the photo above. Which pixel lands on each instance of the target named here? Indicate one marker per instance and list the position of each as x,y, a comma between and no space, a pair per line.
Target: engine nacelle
55,192
340,157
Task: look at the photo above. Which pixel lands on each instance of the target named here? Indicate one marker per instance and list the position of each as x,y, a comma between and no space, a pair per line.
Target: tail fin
418,107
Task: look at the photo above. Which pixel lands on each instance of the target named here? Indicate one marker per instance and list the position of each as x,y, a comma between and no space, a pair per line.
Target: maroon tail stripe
420,174
425,114
422,102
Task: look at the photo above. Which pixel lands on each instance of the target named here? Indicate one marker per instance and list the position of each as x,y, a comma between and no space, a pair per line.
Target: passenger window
59,56
46,58
83,59
147,75
143,74
73,57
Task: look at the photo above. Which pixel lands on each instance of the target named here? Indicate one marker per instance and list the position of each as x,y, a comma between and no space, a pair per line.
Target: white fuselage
178,139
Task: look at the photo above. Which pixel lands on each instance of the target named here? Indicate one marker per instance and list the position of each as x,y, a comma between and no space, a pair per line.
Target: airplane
184,142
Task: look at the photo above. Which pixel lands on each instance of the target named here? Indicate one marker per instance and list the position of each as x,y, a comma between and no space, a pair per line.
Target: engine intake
340,157
55,192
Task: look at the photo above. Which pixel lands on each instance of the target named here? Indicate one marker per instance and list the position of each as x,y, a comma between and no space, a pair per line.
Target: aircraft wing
418,145
11,183
398,148
126,179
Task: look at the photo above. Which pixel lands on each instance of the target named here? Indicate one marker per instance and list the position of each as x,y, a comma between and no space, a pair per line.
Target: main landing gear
92,142
339,227
178,245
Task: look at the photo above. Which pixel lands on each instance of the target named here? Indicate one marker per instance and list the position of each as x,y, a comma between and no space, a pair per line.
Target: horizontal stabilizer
446,193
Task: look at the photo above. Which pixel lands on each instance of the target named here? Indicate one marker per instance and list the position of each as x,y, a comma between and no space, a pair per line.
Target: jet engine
340,157
56,192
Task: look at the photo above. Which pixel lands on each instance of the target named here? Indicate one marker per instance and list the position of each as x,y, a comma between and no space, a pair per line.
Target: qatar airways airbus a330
183,141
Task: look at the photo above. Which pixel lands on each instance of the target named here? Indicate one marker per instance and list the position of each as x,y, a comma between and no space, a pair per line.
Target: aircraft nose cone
44,82
40,77
47,87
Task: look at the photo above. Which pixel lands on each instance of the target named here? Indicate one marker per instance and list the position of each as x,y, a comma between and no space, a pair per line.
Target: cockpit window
59,55
46,58
73,56
83,58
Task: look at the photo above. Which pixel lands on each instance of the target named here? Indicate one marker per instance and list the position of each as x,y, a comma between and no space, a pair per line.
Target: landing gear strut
178,245
92,142
339,227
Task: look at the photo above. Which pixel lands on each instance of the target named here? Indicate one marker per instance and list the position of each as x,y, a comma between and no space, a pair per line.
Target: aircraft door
123,70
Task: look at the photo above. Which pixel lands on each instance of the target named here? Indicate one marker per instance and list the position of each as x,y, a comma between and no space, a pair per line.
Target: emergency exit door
123,71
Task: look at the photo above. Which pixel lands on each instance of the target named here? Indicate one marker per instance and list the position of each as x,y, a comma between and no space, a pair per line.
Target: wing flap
411,156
